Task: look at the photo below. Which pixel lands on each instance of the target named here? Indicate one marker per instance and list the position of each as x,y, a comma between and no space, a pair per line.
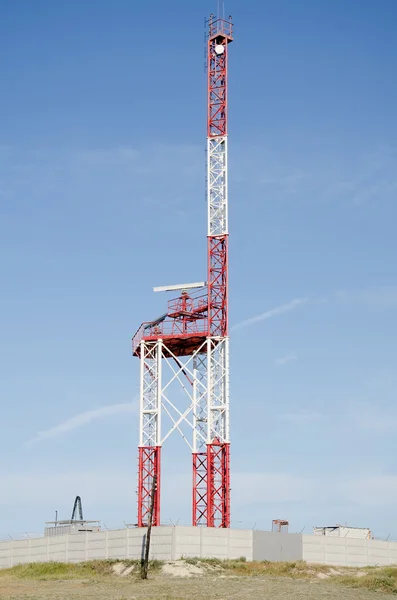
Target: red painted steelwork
200,488
217,464
183,328
217,286
148,466
220,34
220,27
176,345
192,318
218,494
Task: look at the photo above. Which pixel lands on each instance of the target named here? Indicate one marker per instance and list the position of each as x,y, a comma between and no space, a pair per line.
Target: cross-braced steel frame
192,339
211,469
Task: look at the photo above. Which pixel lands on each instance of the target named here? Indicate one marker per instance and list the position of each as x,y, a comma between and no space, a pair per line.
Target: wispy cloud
298,170
377,297
283,360
110,156
300,418
117,486
77,172
287,182
84,418
369,417
274,312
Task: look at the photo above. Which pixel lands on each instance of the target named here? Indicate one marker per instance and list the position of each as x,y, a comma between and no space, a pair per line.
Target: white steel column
150,394
149,434
200,402
218,390
217,185
218,435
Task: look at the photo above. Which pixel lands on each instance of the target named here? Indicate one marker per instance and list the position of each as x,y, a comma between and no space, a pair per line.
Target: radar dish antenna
180,287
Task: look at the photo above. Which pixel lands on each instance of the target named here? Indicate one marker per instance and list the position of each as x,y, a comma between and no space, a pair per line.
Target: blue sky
102,196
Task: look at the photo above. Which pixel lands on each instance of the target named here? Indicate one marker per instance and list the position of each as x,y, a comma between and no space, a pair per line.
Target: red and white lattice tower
189,344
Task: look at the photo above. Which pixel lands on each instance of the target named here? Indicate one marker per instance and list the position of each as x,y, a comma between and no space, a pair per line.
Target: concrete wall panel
240,544
135,543
348,552
76,548
96,546
170,543
187,542
268,545
161,543
20,552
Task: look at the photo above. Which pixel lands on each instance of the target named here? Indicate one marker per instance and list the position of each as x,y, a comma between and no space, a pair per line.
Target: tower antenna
189,343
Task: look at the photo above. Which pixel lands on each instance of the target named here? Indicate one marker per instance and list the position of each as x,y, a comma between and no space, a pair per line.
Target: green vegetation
375,579
240,566
83,570
380,579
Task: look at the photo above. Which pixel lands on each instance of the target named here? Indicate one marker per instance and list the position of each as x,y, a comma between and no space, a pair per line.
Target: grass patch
212,562
191,560
376,582
154,565
380,579
83,570
240,566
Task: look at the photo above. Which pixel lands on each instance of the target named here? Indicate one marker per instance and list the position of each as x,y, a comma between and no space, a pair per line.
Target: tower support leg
148,467
149,431
218,484
211,444
199,489
200,419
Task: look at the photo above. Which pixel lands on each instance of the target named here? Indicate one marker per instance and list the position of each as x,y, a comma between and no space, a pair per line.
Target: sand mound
181,569
122,570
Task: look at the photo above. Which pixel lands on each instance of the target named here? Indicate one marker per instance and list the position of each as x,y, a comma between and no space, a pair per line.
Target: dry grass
65,571
377,579
213,580
296,569
382,579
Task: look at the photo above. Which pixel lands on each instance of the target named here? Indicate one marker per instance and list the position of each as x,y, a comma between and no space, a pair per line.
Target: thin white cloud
110,156
252,488
109,494
274,312
84,418
248,488
300,418
369,417
283,360
100,487
375,297
94,486
371,490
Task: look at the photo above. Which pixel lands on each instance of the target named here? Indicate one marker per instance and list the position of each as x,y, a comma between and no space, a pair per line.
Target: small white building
70,526
343,531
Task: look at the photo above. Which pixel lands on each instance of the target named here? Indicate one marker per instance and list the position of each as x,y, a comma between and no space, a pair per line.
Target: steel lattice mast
211,463
189,344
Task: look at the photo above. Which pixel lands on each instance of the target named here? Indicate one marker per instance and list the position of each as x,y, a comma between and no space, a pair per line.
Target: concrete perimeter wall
167,543
171,543
272,546
348,552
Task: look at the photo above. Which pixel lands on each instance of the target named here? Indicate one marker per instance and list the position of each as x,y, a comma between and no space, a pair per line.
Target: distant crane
77,507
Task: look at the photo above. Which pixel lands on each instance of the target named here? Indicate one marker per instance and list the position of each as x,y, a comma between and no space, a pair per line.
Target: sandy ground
173,587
